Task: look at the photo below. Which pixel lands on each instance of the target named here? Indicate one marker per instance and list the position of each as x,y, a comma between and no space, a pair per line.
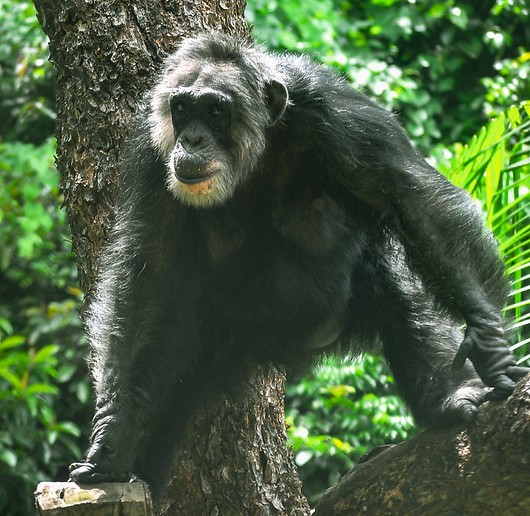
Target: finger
517,372
502,388
462,354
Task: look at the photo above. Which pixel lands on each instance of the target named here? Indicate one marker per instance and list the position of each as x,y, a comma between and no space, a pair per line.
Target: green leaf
341,391
68,428
9,458
45,353
41,388
12,342
459,17
11,378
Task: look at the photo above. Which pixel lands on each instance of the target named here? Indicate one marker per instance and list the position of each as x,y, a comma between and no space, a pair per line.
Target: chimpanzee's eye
178,104
216,111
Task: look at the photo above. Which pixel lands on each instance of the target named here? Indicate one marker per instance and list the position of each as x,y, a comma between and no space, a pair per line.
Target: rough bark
106,53
482,469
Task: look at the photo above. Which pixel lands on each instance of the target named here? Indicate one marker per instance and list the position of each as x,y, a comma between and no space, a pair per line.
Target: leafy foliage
510,85
26,86
412,56
39,305
338,414
33,442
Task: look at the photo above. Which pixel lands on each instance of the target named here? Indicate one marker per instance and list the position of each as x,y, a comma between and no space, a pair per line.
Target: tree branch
481,469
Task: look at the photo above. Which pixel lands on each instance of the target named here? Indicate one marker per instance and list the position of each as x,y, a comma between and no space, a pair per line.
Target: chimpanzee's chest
303,229
287,266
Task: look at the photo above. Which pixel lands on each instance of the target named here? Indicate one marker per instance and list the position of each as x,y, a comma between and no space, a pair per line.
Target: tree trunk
240,464
106,54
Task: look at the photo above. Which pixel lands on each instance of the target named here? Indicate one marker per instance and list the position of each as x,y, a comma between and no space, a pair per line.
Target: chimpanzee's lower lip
193,180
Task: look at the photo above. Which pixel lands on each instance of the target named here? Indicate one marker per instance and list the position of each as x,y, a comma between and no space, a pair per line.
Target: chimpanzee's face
209,122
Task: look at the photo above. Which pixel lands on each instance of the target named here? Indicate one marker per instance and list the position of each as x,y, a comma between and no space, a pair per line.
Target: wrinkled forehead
193,76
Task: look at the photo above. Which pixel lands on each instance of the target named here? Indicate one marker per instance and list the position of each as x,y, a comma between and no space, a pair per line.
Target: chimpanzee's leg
420,355
128,404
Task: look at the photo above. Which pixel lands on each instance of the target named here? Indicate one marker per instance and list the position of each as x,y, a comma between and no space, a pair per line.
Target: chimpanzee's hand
110,456
485,345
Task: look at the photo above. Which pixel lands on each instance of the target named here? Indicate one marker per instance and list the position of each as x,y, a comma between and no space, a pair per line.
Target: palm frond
495,168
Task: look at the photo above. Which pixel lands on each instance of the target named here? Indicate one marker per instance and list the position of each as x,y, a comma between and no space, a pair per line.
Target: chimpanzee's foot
450,398
110,457
463,403
88,473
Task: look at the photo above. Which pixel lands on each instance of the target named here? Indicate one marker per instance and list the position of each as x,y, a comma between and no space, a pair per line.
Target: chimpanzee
267,213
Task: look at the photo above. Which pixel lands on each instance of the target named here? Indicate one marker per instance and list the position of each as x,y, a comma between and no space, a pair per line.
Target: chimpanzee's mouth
193,180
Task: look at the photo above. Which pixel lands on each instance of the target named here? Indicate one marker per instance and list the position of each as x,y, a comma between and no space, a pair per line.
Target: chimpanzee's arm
442,231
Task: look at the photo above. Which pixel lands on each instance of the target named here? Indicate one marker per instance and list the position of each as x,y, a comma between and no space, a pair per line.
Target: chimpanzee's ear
276,96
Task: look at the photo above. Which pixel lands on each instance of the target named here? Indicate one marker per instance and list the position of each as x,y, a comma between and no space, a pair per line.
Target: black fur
267,212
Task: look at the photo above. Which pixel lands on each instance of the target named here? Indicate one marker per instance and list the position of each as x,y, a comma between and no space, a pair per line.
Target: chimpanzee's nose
191,139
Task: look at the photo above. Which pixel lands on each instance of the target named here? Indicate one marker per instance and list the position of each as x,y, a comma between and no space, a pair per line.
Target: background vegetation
446,67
